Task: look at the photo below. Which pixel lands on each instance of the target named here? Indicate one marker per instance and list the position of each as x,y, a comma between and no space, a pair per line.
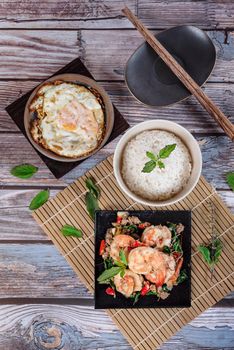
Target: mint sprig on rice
156,160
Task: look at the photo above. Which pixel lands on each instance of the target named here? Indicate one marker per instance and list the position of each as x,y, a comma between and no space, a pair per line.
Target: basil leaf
135,297
92,187
122,273
165,288
161,164
39,199
91,204
120,264
166,151
68,230
230,180
24,171
166,250
123,257
205,253
149,166
177,246
150,155
182,277
150,292
107,274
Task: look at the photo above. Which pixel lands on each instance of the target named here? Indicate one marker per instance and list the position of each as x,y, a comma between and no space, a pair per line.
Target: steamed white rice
160,184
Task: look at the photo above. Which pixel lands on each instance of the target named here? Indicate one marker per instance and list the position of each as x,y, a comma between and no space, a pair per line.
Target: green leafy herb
123,257
24,171
155,160
211,252
108,263
149,166
132,228
91,197
166,151
92,187
39,199
150,292
122,273
166,250
230,180
120,264
135,297
177,245
182,277
165,288
68,230
108,274
91,204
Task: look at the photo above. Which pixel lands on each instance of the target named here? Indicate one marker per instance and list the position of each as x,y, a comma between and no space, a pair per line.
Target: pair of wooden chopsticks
184,77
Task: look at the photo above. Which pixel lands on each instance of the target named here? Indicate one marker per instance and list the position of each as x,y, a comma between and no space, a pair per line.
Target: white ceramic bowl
188,140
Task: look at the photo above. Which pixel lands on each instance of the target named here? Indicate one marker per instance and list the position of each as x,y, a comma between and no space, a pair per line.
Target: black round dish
153,83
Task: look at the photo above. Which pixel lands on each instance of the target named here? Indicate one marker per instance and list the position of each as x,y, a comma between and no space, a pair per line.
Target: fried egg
69,119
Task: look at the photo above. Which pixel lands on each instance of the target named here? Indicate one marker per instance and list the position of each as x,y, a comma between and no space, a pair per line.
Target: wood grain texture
37,327
48,51
16,220
107,14
217,151
37,271
187,113
204,13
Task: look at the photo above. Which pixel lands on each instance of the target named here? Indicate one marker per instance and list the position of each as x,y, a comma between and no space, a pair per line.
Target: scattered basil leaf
92,187
123,257
166,250
108,263
182,277
132,228
205,252
150,292
177,246
24,171
149,166
166,151
161,164
120,264
39,199
230,180
91,204
108,274
68,230
150,155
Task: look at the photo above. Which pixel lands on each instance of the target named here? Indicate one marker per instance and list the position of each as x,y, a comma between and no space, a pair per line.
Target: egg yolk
74,115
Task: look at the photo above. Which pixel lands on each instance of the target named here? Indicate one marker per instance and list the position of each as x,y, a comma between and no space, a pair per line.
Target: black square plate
180,295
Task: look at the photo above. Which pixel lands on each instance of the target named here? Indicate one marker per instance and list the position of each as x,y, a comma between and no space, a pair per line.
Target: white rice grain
160,184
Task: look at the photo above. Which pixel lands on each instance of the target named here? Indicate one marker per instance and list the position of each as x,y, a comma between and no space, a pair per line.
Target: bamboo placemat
144,328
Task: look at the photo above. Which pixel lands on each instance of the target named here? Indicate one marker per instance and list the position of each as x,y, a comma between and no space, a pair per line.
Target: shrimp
139,260
175,275
157,236
120,242
163,267
129,283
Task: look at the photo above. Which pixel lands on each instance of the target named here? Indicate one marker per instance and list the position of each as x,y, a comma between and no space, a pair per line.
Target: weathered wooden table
43,303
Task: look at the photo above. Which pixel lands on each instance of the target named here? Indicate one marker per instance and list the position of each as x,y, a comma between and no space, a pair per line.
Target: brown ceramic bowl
81,80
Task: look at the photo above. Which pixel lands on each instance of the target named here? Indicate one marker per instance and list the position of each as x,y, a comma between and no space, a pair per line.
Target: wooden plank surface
187,113
47,51
217,151
33,327
107,14
37,38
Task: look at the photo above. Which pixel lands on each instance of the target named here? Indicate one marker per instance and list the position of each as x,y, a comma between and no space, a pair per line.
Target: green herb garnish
24,171
39,199
150,292
165,288
166,250
92,187
230,180
123,257
135,297
108,274
211,252
156,160
68,230
182,277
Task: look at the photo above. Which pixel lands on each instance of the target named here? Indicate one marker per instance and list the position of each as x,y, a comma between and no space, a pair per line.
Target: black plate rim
140,211
189,93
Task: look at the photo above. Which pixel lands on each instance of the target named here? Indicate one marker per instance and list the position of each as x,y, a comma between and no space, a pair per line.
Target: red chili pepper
110,291
119,220
102,247
136,244
143,225
145,289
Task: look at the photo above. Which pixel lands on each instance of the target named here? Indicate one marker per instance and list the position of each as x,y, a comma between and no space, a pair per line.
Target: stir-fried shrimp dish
142,259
